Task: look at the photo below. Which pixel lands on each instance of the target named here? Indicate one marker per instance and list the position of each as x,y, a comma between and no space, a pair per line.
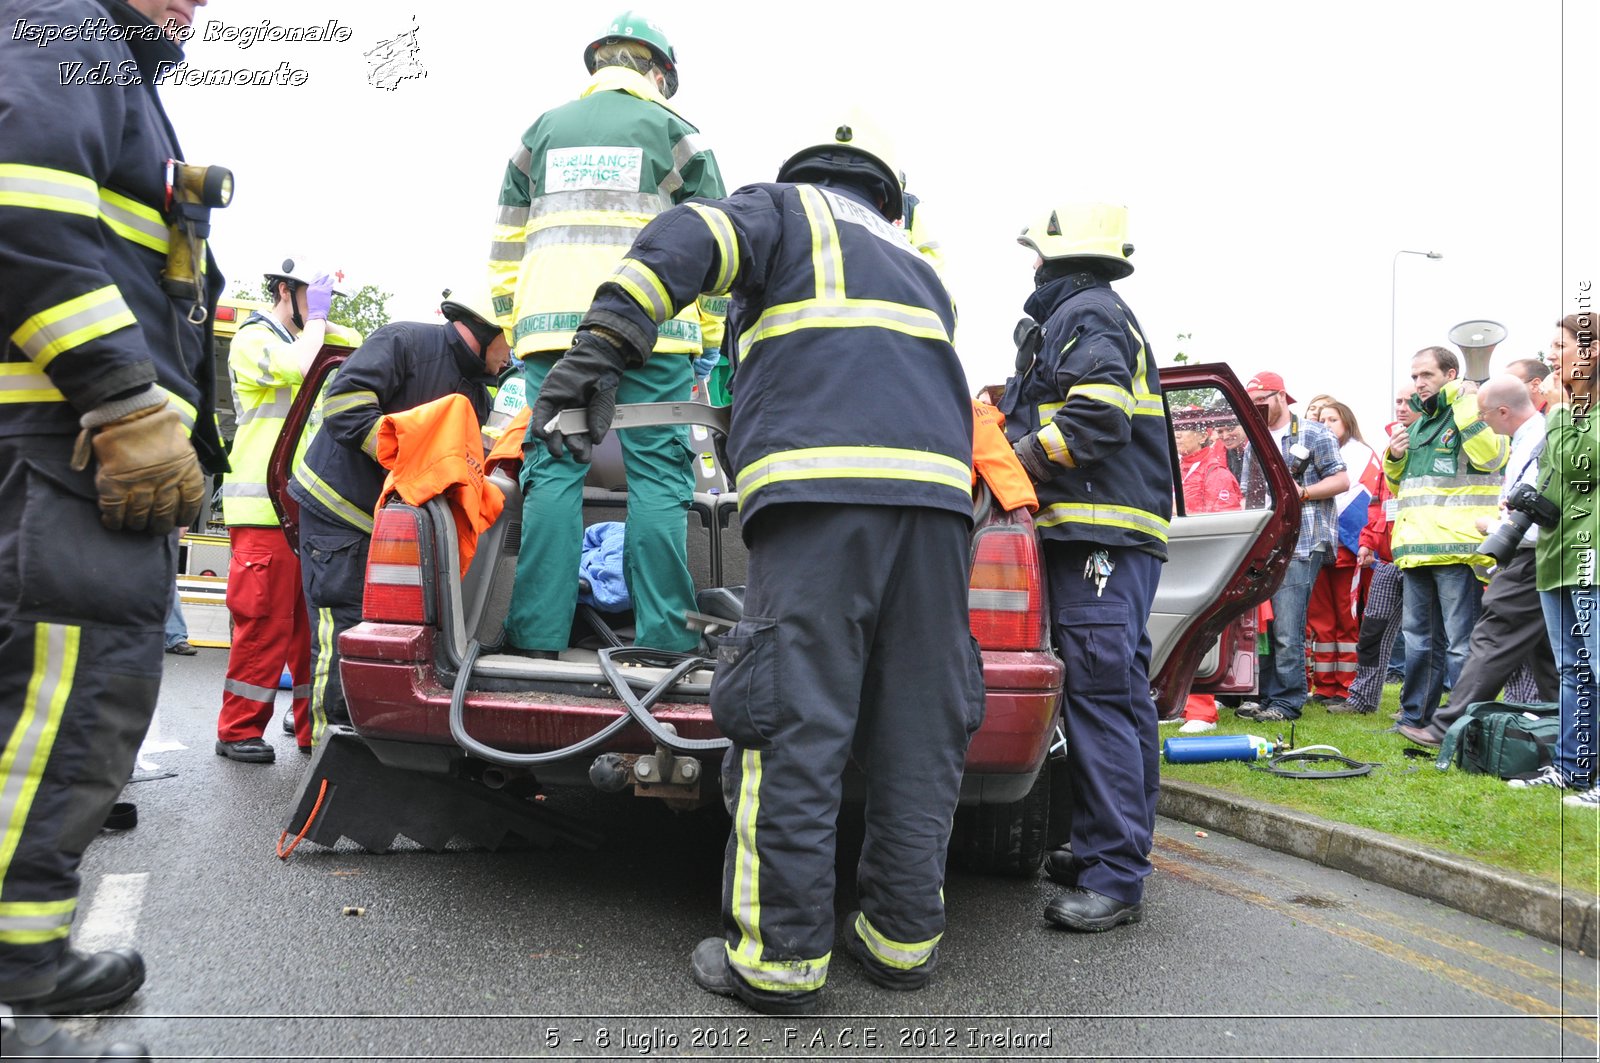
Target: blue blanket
601,565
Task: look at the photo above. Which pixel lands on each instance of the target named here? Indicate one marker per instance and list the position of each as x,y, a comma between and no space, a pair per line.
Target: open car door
299,428
1225,555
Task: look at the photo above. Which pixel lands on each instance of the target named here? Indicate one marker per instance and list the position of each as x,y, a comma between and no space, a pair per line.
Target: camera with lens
1526,506
1299,458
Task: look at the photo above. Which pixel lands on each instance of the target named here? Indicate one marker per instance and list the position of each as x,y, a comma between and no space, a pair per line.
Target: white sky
1273,156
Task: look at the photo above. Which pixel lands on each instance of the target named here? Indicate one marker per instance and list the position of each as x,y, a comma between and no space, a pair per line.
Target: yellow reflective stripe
322,661
745,901
1048,411
134,221
827,258
1110,394
1055,445
369,445
1103,516
348,401
41,188
727,241
898,954
319,489
641,282
185,410
28,746
846,313
853,463
71,324
21,382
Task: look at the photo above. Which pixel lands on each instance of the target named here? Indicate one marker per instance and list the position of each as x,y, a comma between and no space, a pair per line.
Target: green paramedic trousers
658,462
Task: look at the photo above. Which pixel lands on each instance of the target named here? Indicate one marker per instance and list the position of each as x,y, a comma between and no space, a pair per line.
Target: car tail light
394,592
1003,595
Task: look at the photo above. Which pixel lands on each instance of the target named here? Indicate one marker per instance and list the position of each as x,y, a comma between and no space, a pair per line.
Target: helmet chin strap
294,308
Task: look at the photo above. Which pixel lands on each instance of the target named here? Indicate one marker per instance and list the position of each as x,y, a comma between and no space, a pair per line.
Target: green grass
1478,816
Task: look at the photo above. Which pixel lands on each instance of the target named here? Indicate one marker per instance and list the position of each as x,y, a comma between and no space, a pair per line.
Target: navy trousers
333,566
82,618
1109,716
855,644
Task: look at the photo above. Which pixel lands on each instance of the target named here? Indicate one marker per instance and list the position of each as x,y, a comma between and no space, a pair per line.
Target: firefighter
1087,421
266,364
585,179
855,494
400,366
107,427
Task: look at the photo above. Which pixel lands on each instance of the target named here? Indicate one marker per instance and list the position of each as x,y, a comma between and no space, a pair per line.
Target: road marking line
113,915
1458,976
1484,953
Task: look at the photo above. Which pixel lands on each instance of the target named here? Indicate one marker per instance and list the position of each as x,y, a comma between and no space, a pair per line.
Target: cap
1269,382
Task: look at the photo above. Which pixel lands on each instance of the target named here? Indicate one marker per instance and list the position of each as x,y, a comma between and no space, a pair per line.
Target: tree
365,310
1180,358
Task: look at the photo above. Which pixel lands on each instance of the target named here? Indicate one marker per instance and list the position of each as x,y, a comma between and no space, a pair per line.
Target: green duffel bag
1502,739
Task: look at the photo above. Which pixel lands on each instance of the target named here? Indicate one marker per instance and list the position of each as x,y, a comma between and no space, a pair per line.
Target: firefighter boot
90,983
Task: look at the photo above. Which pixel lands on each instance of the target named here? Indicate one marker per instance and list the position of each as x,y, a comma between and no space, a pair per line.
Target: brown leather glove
149,477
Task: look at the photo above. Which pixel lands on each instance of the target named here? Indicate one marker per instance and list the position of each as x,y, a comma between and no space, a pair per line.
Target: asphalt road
1243,953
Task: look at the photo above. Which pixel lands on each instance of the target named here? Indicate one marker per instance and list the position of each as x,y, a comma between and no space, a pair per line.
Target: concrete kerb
1571,920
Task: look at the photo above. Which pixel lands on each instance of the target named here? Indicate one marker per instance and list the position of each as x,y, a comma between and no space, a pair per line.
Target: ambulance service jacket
400,367
848,388
589,175
1093,396
83,239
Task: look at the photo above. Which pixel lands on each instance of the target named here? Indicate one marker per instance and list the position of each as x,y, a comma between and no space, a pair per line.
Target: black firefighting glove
1031,454
149,477
585,376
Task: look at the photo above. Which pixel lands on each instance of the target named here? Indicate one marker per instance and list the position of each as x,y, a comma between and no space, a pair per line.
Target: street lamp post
1394,270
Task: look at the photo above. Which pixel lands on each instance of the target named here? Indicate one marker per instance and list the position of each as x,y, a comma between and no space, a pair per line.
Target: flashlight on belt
193,192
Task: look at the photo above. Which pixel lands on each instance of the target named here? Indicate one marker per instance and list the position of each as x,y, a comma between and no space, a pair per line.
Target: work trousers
660,474
269,631
1108,713
855,643
333,564
1510,633
82,613
1334,629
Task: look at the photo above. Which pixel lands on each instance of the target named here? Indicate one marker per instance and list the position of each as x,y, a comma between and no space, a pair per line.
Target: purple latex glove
319,295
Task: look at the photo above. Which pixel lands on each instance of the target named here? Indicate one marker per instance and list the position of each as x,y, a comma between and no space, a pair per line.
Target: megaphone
1477,340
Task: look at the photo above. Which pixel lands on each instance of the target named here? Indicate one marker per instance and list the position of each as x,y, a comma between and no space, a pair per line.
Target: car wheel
1009,839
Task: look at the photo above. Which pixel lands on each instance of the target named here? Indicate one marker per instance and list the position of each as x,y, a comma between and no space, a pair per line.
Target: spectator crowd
1421,558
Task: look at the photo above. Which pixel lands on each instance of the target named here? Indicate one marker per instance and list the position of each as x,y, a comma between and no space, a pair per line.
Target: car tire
1009,839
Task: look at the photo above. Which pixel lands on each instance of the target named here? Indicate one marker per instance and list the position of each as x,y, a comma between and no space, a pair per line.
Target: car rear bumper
392,685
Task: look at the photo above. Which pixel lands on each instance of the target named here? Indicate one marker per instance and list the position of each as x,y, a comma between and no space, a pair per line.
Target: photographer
1565,555
1510,629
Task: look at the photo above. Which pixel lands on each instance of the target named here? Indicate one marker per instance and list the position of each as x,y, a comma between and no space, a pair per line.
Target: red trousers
270,630
1333,629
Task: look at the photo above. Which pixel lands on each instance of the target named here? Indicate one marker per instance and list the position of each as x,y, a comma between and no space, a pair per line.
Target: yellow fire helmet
1083,230
471,303
856,145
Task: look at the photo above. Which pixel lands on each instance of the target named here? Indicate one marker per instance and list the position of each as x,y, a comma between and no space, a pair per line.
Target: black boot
90,983
36,1037
712,973
1090,912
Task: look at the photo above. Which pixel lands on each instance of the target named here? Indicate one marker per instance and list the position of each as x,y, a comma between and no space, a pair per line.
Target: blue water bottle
1203,749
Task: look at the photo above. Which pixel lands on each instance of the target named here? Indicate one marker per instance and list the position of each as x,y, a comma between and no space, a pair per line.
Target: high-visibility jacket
83,240
848,389
1448,477
1093,397
587,177
265,376
401,366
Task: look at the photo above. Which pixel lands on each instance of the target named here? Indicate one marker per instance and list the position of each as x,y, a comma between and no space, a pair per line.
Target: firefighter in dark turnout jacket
337,483
1087,421
94,350
851,439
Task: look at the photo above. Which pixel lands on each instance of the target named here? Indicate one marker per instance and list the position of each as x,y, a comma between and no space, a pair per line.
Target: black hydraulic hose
639,708
458,726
